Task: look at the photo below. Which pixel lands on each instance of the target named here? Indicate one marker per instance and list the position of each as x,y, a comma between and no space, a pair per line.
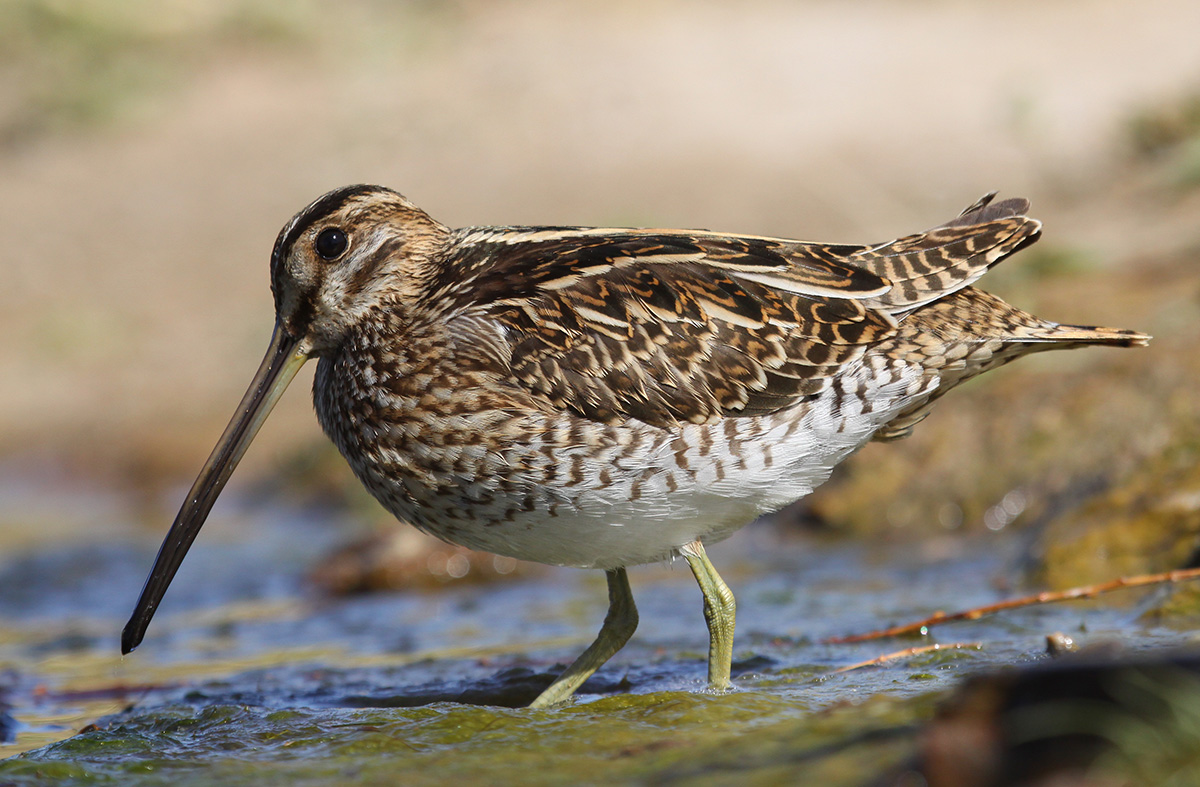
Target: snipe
608,397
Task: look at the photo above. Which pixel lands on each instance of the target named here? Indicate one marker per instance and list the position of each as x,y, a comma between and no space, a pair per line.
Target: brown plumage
608,397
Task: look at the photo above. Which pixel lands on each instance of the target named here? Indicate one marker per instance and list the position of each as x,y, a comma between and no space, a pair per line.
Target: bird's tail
970,332
1058,336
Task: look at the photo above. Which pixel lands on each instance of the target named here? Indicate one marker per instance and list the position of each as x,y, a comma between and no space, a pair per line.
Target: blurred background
150,152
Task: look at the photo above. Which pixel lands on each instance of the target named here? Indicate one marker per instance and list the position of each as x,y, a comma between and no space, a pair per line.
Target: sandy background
149,153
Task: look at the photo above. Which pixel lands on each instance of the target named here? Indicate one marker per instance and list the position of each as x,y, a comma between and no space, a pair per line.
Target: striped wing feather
676,326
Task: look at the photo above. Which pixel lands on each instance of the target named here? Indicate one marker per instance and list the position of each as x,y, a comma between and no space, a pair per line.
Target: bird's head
343,256
338,261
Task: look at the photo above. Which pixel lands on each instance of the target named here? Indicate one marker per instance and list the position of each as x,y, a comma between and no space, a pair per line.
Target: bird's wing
929,265
671,326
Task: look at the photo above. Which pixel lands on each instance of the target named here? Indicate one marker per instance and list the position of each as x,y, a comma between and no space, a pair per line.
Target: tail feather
1082,335
971,332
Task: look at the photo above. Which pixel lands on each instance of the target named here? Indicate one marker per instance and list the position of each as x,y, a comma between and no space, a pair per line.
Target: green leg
619,624
719,612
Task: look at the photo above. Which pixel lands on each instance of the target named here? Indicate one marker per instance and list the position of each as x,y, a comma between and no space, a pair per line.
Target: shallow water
247,676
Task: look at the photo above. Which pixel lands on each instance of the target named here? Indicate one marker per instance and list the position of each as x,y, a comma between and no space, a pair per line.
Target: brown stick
899,654
1046,597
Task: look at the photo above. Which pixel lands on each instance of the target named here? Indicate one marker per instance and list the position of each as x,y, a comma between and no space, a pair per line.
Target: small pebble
1059,643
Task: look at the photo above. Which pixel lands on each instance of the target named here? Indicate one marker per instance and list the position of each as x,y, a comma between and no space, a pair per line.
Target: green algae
252,706
309,697
629,738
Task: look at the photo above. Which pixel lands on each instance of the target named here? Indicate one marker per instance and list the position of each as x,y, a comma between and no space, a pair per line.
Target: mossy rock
1148,523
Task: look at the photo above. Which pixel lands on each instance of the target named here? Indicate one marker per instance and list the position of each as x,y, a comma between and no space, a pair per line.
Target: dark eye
331,243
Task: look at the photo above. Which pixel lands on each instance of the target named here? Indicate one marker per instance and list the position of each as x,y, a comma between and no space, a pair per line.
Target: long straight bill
280,365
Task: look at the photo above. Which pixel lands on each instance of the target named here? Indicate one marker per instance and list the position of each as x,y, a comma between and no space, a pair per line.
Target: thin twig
900,654
1046,597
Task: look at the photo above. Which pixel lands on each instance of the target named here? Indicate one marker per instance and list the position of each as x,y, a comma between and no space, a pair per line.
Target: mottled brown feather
928,265
689,326
970,332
